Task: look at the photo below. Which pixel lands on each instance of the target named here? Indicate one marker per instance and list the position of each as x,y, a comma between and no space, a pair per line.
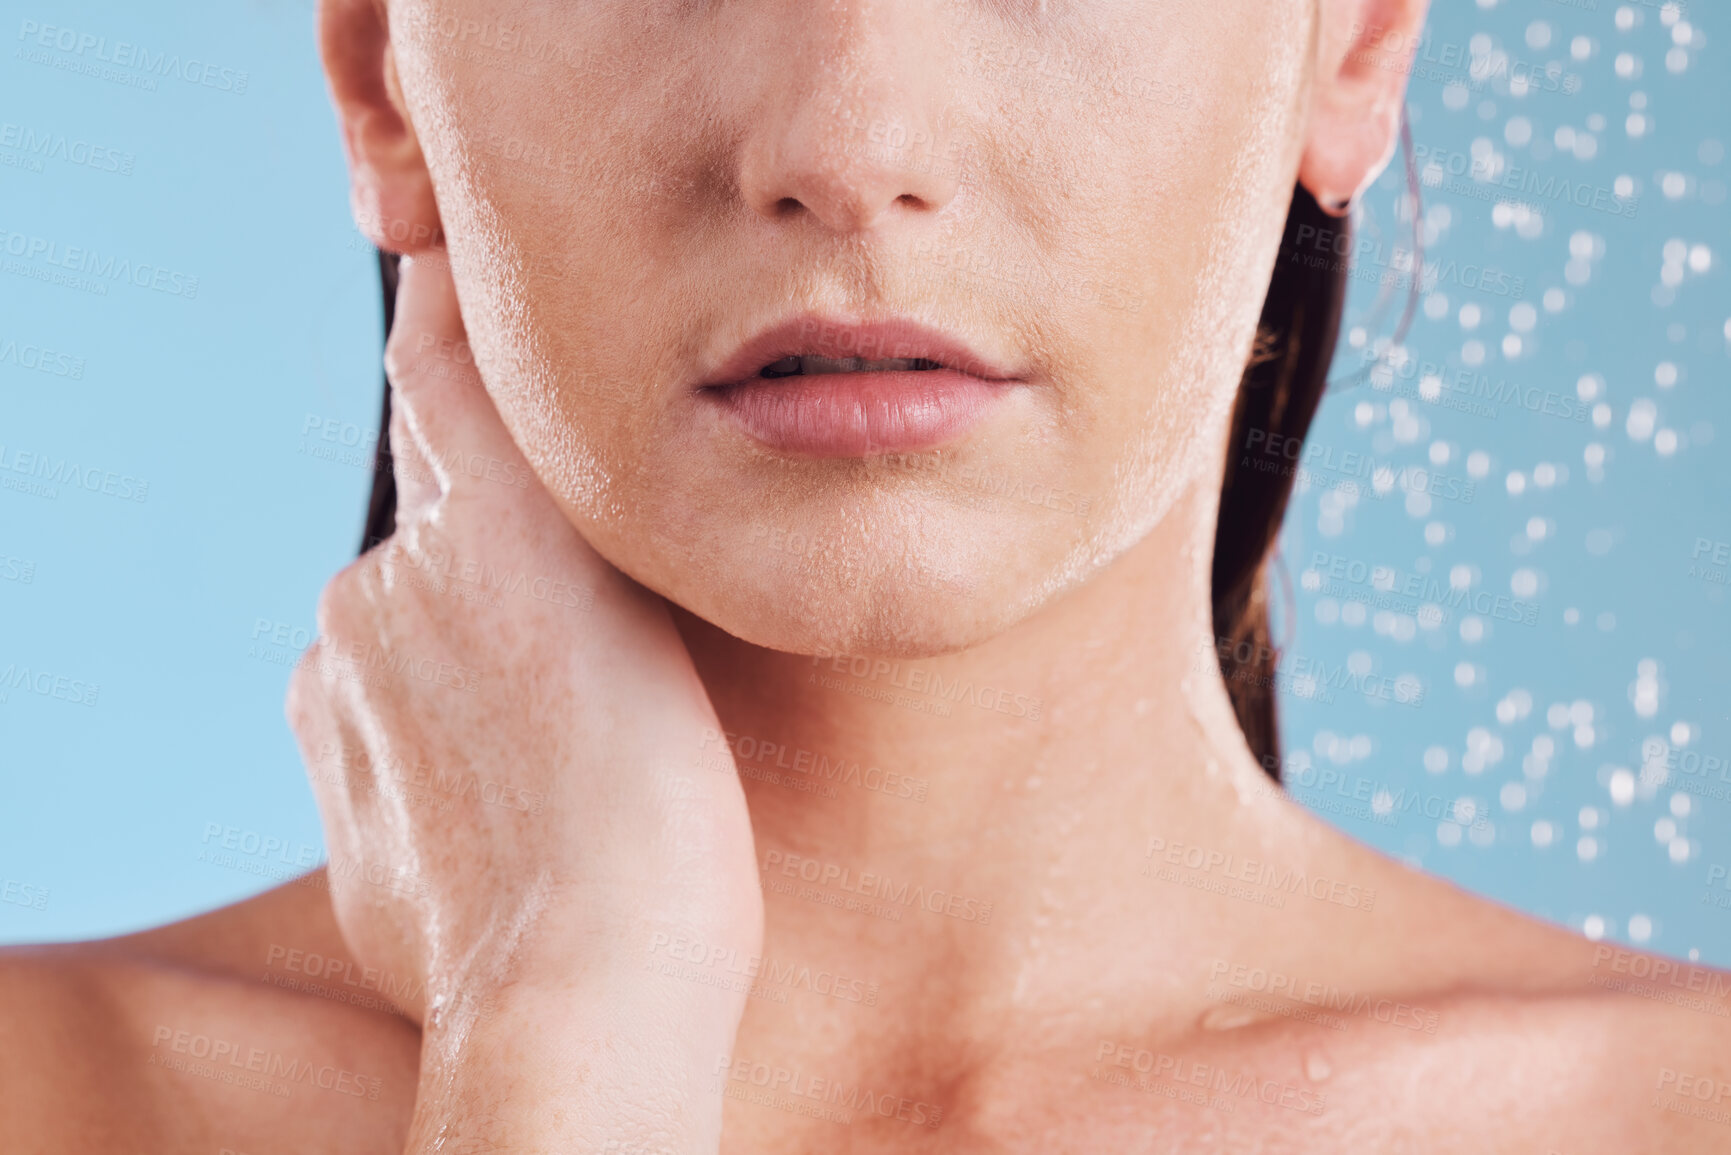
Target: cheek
1135,268
568,302
570,220
1175,184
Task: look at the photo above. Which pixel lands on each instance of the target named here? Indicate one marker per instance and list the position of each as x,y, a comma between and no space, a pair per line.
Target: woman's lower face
870,327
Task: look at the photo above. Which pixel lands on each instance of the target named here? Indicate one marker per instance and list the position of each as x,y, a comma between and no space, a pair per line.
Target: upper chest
1477,1084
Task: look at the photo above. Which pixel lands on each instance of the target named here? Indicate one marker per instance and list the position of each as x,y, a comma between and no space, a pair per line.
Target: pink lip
855,414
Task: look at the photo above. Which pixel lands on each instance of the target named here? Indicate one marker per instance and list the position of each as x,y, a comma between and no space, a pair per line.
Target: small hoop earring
1337,206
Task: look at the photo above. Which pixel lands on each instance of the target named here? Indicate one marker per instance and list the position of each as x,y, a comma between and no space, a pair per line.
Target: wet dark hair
382,501
1277,398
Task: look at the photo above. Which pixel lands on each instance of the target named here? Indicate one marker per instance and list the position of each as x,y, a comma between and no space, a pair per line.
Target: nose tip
845,183
824,166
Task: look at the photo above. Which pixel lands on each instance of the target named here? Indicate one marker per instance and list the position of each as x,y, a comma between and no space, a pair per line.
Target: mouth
800,366
820,387
818,346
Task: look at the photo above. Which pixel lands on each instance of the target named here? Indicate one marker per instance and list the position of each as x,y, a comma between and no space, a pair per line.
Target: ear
1365,50
390,189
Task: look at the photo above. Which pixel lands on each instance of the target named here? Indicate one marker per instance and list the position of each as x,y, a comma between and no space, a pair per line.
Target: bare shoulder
1649,1035
199,1037
1590,1046
1427,930
1568,1072
1401,1070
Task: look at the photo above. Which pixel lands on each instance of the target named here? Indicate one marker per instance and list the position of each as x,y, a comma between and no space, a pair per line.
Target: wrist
629,1059
583,940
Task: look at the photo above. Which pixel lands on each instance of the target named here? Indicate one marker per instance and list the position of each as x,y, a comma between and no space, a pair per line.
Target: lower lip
859,414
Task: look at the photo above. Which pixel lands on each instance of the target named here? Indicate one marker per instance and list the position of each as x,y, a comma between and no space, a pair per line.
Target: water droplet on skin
1316,1067
1227,1018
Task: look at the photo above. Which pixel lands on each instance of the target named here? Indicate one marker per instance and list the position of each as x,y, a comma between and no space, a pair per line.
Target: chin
887,589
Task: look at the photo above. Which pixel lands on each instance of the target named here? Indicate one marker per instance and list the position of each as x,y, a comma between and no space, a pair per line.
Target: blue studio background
1505,566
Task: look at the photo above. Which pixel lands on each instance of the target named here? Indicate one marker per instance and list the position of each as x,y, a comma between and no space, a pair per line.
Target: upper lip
821,335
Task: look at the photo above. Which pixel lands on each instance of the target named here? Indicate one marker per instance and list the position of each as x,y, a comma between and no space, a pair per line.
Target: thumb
437,382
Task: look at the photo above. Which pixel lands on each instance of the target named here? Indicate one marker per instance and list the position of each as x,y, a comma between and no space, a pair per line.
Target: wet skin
1088,194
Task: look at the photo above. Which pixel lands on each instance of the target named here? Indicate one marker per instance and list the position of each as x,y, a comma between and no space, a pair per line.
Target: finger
432,368
417,485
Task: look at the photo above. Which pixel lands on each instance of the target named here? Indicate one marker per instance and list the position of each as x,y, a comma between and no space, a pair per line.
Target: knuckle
402,437
330,607
298,705
341,599
307,706
402,355
419,487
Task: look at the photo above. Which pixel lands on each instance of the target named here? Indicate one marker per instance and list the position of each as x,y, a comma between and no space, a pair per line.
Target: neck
1028,771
